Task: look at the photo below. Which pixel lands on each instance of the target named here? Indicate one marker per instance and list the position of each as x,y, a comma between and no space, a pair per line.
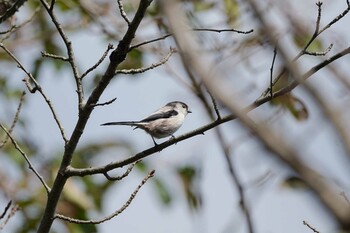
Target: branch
195,29
68,44
117,56
222,30
200,131
122,12
116,213
105,103
27,159
10,10
15,119
278,146
37,87
6,209
310,227
125,174
110,46
13,210
271,70
316,33
322,53
142,70
53,56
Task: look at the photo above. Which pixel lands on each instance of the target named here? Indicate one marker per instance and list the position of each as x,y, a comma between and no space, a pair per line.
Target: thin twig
310,227
105,103
116,57
37,87
6,209
15,119
110,46
122,12
53,56
31,167
8,30
271,70
322,53
142,70
52,5
215,105
68,44
316,33
221,30
149,41
125,174
116,213
195,29
14,209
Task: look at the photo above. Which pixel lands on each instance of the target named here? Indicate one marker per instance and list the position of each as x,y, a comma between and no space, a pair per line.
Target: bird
164,122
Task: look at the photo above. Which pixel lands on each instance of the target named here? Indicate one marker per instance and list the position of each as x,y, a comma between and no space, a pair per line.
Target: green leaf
162,191
188,176
302,39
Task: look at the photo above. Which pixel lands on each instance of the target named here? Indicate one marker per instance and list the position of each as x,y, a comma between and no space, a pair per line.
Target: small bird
162,123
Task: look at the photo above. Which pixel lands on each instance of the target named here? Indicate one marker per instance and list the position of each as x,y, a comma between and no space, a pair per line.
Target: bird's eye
183,106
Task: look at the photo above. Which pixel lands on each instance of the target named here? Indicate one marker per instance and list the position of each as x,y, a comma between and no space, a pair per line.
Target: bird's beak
188,111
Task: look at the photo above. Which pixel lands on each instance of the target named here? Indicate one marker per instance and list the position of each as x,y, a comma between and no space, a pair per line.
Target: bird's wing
160,115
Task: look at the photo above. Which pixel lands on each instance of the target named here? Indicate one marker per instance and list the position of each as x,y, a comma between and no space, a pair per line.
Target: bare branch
110,46
271,70
53,56
316,33
52,5
35,88
310,227
215,105
68,44
195,29
279,147
222,30
6,209
116,57
47,188
15,119
322,53
116,213
149,41
318,20
13,210
154,65
122,12
125,174
200,131
105,103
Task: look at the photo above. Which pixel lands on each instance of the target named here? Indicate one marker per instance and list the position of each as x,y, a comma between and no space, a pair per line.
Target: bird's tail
129,123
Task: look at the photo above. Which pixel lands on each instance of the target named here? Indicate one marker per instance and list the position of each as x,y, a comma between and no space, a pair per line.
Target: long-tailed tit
163,122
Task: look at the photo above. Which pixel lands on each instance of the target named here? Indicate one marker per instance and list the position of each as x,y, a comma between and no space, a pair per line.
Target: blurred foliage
289,101
189,178
294,182
301,40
